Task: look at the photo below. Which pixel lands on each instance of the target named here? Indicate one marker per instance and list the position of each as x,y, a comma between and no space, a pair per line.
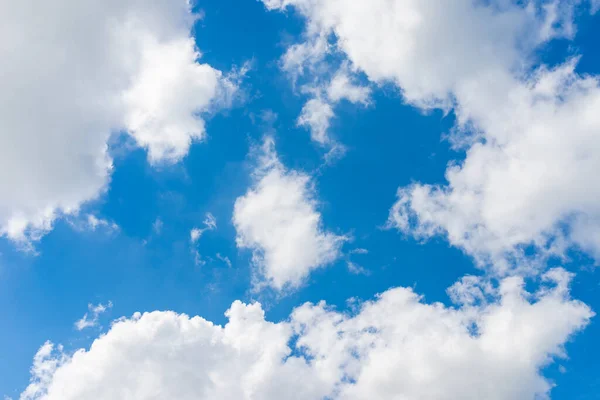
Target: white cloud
316,115
107,67
530,181
427,49
90,319
317,112
278,220
359,250
225,259
210,224
157,226
92,223
356,269
395,346
529,174
305,56
195,234
95,222
341,87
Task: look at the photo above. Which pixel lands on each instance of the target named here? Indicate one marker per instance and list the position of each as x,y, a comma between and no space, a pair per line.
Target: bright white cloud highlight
531,136
75,72
278,220
393,347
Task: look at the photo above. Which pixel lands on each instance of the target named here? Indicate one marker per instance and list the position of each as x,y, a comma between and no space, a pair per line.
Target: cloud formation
278,220
77,72
530,133
528,182
395,346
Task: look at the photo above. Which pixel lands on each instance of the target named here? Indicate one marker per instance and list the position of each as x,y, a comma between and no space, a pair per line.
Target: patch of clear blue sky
389,145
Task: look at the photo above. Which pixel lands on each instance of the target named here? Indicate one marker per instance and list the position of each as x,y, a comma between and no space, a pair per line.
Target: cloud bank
395,346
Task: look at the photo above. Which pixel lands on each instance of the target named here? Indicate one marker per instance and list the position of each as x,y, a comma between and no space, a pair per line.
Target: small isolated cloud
90,319
225,259
90,222
210,224
359,251
353,267
278,220
157,226
316,115
195,234
356,269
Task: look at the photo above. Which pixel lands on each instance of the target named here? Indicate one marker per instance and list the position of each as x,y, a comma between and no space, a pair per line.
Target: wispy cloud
225,259
90,318
210,224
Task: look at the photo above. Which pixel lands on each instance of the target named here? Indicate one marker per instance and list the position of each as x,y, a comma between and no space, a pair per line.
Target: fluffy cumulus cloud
427,49
75,72
278,220
395,346
530,134
529,182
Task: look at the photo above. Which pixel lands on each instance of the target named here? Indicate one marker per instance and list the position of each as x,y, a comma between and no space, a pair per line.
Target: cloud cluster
76,72
278,220
395,346
530,132
531,141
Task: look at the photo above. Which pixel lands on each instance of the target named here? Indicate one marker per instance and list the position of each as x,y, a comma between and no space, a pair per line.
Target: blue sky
148,262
